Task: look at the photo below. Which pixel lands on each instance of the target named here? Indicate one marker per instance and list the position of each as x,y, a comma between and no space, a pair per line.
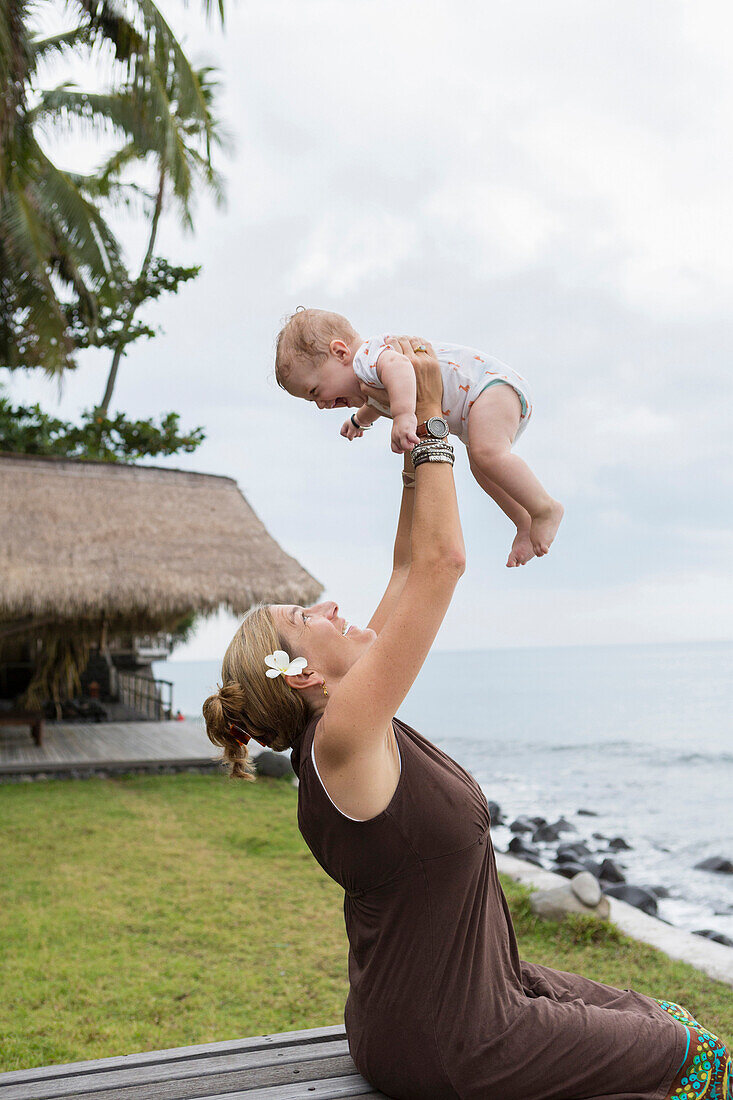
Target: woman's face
327,640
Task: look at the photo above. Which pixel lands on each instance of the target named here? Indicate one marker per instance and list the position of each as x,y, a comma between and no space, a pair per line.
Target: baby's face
332,385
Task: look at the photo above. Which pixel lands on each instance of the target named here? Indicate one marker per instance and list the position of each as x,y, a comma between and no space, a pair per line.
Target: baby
320,357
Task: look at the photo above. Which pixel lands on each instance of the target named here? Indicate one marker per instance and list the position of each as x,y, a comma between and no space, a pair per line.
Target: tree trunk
103,407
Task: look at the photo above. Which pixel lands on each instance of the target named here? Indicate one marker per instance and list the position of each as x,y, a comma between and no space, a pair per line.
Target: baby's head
313,358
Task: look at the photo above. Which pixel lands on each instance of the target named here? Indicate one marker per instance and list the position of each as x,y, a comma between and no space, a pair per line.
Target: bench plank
184,1081
314,1064
313,1090
174,1054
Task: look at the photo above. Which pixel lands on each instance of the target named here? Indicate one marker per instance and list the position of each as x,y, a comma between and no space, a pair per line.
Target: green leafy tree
29,430
52,238
58,255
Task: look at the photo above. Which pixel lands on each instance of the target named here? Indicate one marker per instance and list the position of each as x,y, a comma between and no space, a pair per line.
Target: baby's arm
364,416
398,378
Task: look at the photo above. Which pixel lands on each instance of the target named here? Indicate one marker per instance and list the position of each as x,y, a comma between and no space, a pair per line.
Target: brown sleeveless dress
440,1005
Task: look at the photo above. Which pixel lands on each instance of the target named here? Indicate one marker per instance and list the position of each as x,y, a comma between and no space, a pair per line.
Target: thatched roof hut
82,539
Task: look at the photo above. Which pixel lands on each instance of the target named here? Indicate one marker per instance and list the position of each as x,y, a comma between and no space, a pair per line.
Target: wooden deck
85,746
293,1065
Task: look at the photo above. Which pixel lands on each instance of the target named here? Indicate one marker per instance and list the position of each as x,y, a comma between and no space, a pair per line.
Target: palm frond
148,36
35,304
120,111
78,221
43,48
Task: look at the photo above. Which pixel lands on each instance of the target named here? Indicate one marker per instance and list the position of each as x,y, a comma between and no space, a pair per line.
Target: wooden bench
31,718
293,1065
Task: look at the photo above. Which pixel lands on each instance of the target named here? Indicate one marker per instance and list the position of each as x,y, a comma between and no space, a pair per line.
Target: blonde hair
249,700
306,336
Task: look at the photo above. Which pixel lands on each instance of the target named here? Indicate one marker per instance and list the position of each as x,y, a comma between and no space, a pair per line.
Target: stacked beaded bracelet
432,451
435,457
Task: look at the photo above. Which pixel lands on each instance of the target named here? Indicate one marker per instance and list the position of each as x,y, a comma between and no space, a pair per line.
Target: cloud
547,182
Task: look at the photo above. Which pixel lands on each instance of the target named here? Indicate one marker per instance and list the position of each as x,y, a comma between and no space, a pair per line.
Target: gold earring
325,692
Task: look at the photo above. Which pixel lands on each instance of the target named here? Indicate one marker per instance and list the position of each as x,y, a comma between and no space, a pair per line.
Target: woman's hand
427,374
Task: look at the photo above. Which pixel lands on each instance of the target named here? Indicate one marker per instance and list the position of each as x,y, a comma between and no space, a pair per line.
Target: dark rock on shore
716,863
569,870
599,836
587,813
637,896
611,872
522,824
659,891
549,833
546,834
618,844
709,934
519,847
273,764
572,850
495,814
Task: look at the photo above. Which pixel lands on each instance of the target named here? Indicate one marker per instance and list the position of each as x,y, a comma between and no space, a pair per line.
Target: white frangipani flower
279,664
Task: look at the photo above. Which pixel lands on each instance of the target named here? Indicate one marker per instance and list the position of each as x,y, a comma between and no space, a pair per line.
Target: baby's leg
492,426
521,551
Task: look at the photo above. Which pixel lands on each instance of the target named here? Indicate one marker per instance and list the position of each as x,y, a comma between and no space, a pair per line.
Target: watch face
437,427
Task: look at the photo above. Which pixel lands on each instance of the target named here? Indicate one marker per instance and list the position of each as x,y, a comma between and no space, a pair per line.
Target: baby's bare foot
544,527
521,551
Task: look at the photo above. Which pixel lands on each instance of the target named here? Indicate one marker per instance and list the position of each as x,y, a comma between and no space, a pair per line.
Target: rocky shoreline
541,843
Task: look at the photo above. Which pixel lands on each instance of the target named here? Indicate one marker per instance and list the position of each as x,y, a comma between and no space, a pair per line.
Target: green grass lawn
149,912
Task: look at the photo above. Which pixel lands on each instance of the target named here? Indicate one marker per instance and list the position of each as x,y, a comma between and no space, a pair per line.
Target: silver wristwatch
435,427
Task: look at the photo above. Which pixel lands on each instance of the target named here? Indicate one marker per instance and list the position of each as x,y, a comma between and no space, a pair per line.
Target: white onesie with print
466,373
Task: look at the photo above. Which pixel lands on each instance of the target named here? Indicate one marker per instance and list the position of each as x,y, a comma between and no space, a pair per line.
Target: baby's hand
349,431
404,433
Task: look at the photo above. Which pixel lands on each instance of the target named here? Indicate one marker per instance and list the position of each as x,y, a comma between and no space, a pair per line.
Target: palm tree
52,238
181,148
58,256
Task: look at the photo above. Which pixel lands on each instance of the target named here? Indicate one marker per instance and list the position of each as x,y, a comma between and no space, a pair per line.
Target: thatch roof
79,539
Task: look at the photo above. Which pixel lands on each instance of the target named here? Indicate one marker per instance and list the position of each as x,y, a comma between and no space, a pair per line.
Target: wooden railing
153,698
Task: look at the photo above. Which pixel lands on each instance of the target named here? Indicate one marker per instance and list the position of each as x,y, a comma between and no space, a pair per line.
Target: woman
440,1005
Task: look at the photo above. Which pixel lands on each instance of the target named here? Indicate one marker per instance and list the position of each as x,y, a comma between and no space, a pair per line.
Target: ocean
641,735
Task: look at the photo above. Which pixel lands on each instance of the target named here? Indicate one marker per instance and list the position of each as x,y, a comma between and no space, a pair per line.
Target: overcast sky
550,183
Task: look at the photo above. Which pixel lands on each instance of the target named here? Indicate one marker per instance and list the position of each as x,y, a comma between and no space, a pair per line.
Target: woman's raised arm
401,556
362,707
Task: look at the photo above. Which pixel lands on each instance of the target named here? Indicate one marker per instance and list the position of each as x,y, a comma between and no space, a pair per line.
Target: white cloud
344,250
547,181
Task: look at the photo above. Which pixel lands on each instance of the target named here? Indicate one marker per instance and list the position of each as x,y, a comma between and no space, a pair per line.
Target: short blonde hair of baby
305,338
264,707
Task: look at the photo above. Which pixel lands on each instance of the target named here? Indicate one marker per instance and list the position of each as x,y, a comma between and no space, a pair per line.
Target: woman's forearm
437,536
403,539
401,558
